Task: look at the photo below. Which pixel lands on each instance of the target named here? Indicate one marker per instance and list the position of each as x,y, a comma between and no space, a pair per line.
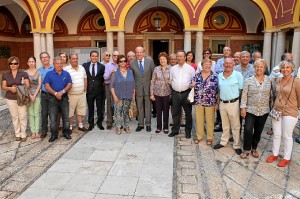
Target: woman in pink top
190,59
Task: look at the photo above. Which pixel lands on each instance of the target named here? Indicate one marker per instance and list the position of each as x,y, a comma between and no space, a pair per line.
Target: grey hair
285,62
56,58
253,54
258,61
244,52
130,53
72,54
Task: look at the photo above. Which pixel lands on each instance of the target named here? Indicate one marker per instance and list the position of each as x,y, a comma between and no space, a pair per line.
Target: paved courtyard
101,164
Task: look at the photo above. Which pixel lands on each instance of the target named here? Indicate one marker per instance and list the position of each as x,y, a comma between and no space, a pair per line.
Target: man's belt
230,101
182,91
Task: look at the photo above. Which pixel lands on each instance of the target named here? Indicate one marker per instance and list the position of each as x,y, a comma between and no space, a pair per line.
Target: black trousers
91,98
253,128
179,100
162,106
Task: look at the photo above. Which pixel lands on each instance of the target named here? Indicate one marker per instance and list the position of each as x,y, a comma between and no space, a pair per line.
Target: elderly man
95,90
255,56
237,58
142,68
110,68
219,68
231,83
44,69
245,67
76,94
58,82
181,76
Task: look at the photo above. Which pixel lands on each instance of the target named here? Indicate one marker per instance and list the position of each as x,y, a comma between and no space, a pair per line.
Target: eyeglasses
107,55
206,53
13,64
115,55
122,61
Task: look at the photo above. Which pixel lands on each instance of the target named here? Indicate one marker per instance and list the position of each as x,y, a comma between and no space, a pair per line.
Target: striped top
256,97
78,76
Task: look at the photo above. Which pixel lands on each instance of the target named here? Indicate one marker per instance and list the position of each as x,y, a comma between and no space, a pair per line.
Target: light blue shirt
219,66
230,87
44,73
249,72
108,68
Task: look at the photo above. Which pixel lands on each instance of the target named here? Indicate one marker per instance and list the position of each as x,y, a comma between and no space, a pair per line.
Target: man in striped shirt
76,94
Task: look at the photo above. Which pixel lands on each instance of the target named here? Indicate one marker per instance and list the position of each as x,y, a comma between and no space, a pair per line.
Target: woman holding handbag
255,108
160,90
123,92
286,107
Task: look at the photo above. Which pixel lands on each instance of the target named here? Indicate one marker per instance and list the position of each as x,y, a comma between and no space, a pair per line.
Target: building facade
28,27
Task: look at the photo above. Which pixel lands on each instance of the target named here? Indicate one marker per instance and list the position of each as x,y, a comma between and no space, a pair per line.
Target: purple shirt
108,68
206,90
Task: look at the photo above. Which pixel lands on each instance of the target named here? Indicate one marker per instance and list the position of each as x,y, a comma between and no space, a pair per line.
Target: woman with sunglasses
207,53
122,91
10,81
35,83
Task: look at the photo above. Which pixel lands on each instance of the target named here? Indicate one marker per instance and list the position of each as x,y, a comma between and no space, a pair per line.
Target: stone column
50,46
296,47
280,46
109,42
43,42
121,42
187,40
267,47
274,46
37,48
199,46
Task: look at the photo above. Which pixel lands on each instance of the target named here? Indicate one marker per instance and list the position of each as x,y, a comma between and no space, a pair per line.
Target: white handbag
190,97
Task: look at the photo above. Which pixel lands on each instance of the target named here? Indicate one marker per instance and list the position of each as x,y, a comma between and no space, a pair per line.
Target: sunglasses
115,55
122,61
206,53
13,64
107,55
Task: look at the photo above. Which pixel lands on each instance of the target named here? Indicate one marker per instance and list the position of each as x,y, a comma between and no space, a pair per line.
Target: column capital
297,29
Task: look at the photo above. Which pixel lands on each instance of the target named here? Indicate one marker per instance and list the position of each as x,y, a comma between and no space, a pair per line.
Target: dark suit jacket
94,84
142,82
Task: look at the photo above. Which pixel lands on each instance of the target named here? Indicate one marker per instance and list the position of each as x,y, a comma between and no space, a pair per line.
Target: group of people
232,88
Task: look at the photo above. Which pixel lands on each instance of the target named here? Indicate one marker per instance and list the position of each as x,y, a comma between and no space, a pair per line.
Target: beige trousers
230,114
206,114
18,117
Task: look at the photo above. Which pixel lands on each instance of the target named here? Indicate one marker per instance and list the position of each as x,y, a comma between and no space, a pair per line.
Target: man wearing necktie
95,90
142,68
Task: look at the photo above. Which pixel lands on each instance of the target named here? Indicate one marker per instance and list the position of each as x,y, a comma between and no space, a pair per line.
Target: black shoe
100,126
43,135
90,128
67,136
53,138
82,129
298,139
217,122
188,136
173,134
108,127
218,128
238,151
218,146
148,128
139,128
154,115
231,139
182,125
171,124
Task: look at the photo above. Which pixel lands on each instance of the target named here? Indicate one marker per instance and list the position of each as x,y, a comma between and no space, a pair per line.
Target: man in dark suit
142,68
95,89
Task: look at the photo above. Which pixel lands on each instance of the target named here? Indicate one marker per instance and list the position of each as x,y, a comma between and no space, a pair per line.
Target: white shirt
181,77
91,68
78,77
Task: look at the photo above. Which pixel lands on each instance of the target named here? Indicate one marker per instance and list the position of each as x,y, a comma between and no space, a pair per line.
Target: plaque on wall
4,51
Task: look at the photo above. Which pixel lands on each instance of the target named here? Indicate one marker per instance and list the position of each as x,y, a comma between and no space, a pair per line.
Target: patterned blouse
206,90
256,97
159,83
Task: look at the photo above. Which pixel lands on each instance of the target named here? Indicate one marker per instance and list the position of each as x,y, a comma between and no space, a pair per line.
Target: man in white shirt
76,94
181,76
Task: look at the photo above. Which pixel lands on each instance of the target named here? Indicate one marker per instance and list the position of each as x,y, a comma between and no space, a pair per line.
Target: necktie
93,70
141,68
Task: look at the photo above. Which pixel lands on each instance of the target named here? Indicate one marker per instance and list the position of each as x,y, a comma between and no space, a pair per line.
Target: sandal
244,154
270,132
196,141
127,130
157,131
33,136
118,131
254,153
209,142
166,131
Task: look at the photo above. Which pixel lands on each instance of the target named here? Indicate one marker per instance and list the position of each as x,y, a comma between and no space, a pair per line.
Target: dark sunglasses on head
13,63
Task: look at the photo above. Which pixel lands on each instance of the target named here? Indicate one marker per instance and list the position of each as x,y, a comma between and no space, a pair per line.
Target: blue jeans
54,106
44,111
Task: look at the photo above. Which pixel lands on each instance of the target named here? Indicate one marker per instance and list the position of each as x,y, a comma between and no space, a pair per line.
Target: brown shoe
254,153
23,139
43,135
82,129
18,139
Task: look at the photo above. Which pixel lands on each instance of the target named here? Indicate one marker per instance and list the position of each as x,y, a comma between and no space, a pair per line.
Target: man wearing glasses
44,69
95,90
110,68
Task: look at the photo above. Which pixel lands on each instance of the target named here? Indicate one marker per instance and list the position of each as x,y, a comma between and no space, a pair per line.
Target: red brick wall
131,44
178,45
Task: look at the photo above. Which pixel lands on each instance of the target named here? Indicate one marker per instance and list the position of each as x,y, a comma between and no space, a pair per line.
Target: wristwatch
63,91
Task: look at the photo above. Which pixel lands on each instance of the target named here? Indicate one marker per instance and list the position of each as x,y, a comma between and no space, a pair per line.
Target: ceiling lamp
157,20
